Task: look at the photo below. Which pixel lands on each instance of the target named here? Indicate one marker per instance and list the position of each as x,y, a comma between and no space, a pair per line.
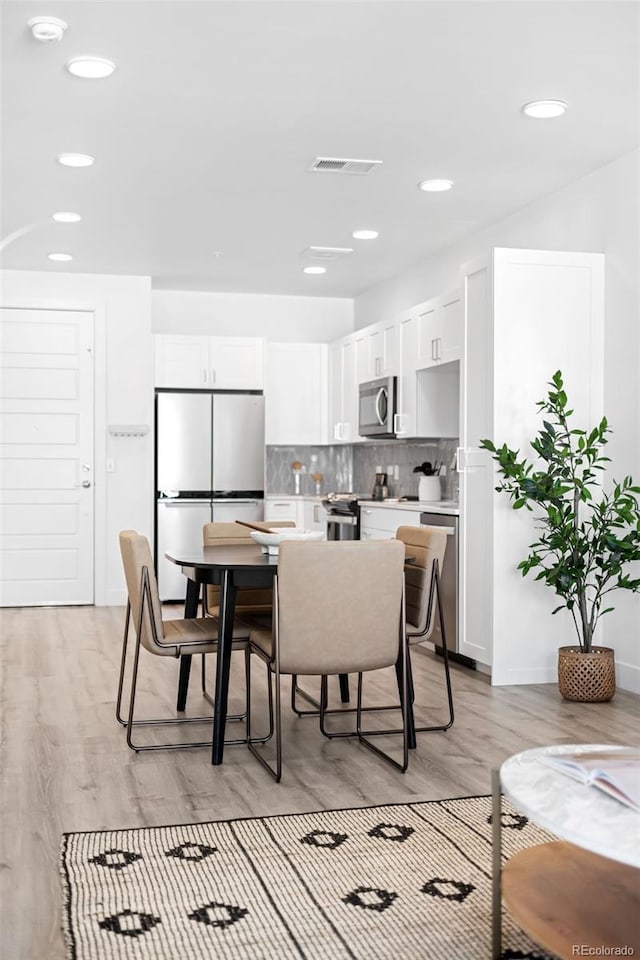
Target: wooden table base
566,898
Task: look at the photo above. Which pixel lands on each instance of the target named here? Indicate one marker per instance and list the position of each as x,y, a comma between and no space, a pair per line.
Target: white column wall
597,214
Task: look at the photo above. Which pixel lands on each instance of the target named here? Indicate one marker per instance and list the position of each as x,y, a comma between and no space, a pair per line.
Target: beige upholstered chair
426,546
338,608
249,600
164,638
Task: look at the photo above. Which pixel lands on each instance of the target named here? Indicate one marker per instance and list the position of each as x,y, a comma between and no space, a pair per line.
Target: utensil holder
429,488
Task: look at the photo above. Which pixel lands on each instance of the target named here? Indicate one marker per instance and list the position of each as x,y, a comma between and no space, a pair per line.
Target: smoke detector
46,29
339,165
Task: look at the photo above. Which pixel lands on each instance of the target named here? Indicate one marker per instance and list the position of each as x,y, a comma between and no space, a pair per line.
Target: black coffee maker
380,488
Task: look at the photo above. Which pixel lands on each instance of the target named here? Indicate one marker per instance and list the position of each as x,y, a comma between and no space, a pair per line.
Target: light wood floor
66,766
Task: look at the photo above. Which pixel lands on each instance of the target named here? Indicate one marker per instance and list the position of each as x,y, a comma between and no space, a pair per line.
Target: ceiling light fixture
544,109
76,159
435,186
46,29
66,216
60,256
90,68
365,234
314,270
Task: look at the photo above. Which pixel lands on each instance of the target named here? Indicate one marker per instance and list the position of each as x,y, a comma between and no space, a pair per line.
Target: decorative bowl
271,541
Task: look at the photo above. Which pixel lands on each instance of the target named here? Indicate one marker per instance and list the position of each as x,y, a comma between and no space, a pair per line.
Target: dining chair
164,638
338,608
250,601
426,546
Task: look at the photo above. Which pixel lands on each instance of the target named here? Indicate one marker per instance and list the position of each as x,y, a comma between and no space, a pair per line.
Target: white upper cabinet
343,391
296,393
440,330
376,351
224,363
407,398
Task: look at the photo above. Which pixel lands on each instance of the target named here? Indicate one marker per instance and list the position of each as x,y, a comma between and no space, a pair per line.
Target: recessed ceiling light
544,109
90,68
76,159
435,186
314,270
66,216
60,256
365,234
47,29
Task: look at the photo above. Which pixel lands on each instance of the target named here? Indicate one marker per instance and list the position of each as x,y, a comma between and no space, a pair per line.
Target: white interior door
46,450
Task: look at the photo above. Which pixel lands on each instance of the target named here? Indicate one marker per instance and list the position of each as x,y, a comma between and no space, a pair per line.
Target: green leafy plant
587,536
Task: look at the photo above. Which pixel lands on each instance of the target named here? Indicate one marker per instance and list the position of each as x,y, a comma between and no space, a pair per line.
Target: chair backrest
249,599
424,544
339,605
136,554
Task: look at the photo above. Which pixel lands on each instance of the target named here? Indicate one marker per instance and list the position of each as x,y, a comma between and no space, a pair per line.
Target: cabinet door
236,363
336,426
407,384
283,509
429,318
452,328
296,396
362,346
350,392
389,334
314,515
181,361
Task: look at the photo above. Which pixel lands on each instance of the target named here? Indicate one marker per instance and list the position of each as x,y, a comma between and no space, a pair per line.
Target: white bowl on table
270,542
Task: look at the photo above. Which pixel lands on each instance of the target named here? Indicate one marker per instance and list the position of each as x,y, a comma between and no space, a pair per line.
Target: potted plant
587,537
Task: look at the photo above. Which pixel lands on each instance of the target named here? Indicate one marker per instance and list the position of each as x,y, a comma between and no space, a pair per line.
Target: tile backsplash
346,467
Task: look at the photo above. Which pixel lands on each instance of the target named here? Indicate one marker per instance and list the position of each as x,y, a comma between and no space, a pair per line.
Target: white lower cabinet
283,508
381,523
306,512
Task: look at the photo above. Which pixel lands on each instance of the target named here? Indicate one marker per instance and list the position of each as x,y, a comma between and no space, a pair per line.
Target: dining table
230,567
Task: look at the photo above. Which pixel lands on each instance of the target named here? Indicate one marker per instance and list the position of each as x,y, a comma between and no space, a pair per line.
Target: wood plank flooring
66,766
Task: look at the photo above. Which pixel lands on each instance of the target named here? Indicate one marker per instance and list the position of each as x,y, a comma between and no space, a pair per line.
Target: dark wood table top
229,557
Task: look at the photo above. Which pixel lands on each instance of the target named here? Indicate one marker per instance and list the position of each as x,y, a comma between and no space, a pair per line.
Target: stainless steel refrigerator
209,466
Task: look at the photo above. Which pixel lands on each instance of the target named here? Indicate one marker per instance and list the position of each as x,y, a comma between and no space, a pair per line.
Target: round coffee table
582,891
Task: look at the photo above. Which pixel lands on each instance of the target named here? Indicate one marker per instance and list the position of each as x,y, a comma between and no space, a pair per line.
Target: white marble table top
571,810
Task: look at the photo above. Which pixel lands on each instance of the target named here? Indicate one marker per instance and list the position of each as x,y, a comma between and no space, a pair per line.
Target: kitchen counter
451,507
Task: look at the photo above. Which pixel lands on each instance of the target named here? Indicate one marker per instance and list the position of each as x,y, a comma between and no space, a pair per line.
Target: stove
343,516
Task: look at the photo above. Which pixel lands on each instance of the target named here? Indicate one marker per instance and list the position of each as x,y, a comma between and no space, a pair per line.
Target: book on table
615,772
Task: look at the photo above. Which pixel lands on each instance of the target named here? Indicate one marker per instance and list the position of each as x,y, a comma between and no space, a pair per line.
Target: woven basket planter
586,677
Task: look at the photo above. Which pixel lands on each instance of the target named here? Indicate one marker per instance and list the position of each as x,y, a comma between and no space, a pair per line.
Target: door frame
98,309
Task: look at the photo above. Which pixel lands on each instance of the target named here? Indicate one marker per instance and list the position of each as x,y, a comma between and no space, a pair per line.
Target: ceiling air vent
326,253
338,165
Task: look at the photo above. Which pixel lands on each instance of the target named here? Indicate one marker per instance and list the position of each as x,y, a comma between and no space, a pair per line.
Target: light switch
110,465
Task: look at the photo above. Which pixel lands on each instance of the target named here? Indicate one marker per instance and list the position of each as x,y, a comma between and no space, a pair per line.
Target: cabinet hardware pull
204,375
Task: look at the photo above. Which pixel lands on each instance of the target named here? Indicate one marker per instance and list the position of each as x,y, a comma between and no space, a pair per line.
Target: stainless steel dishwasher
448,578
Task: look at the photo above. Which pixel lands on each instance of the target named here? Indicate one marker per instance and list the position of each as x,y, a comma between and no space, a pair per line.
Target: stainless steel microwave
377,408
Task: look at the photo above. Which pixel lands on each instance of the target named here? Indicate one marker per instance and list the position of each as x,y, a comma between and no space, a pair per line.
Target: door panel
46,445
184,441
238,442
180,524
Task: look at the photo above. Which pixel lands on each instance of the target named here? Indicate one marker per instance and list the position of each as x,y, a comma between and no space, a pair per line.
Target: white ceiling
204,134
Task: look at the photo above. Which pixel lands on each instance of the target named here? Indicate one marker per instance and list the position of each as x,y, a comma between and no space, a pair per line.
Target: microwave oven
377,408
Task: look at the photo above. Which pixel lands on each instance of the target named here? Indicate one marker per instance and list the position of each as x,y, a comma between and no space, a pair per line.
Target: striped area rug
402,882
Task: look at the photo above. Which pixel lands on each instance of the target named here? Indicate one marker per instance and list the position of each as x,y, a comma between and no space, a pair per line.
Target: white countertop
421,506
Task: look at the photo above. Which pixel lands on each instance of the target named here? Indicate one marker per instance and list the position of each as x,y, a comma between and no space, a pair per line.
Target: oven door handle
381,395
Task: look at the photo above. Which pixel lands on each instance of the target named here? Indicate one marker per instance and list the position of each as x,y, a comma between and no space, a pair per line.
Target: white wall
296,319
123,394
598,213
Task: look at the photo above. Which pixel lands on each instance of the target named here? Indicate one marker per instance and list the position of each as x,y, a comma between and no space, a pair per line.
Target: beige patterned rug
402,882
